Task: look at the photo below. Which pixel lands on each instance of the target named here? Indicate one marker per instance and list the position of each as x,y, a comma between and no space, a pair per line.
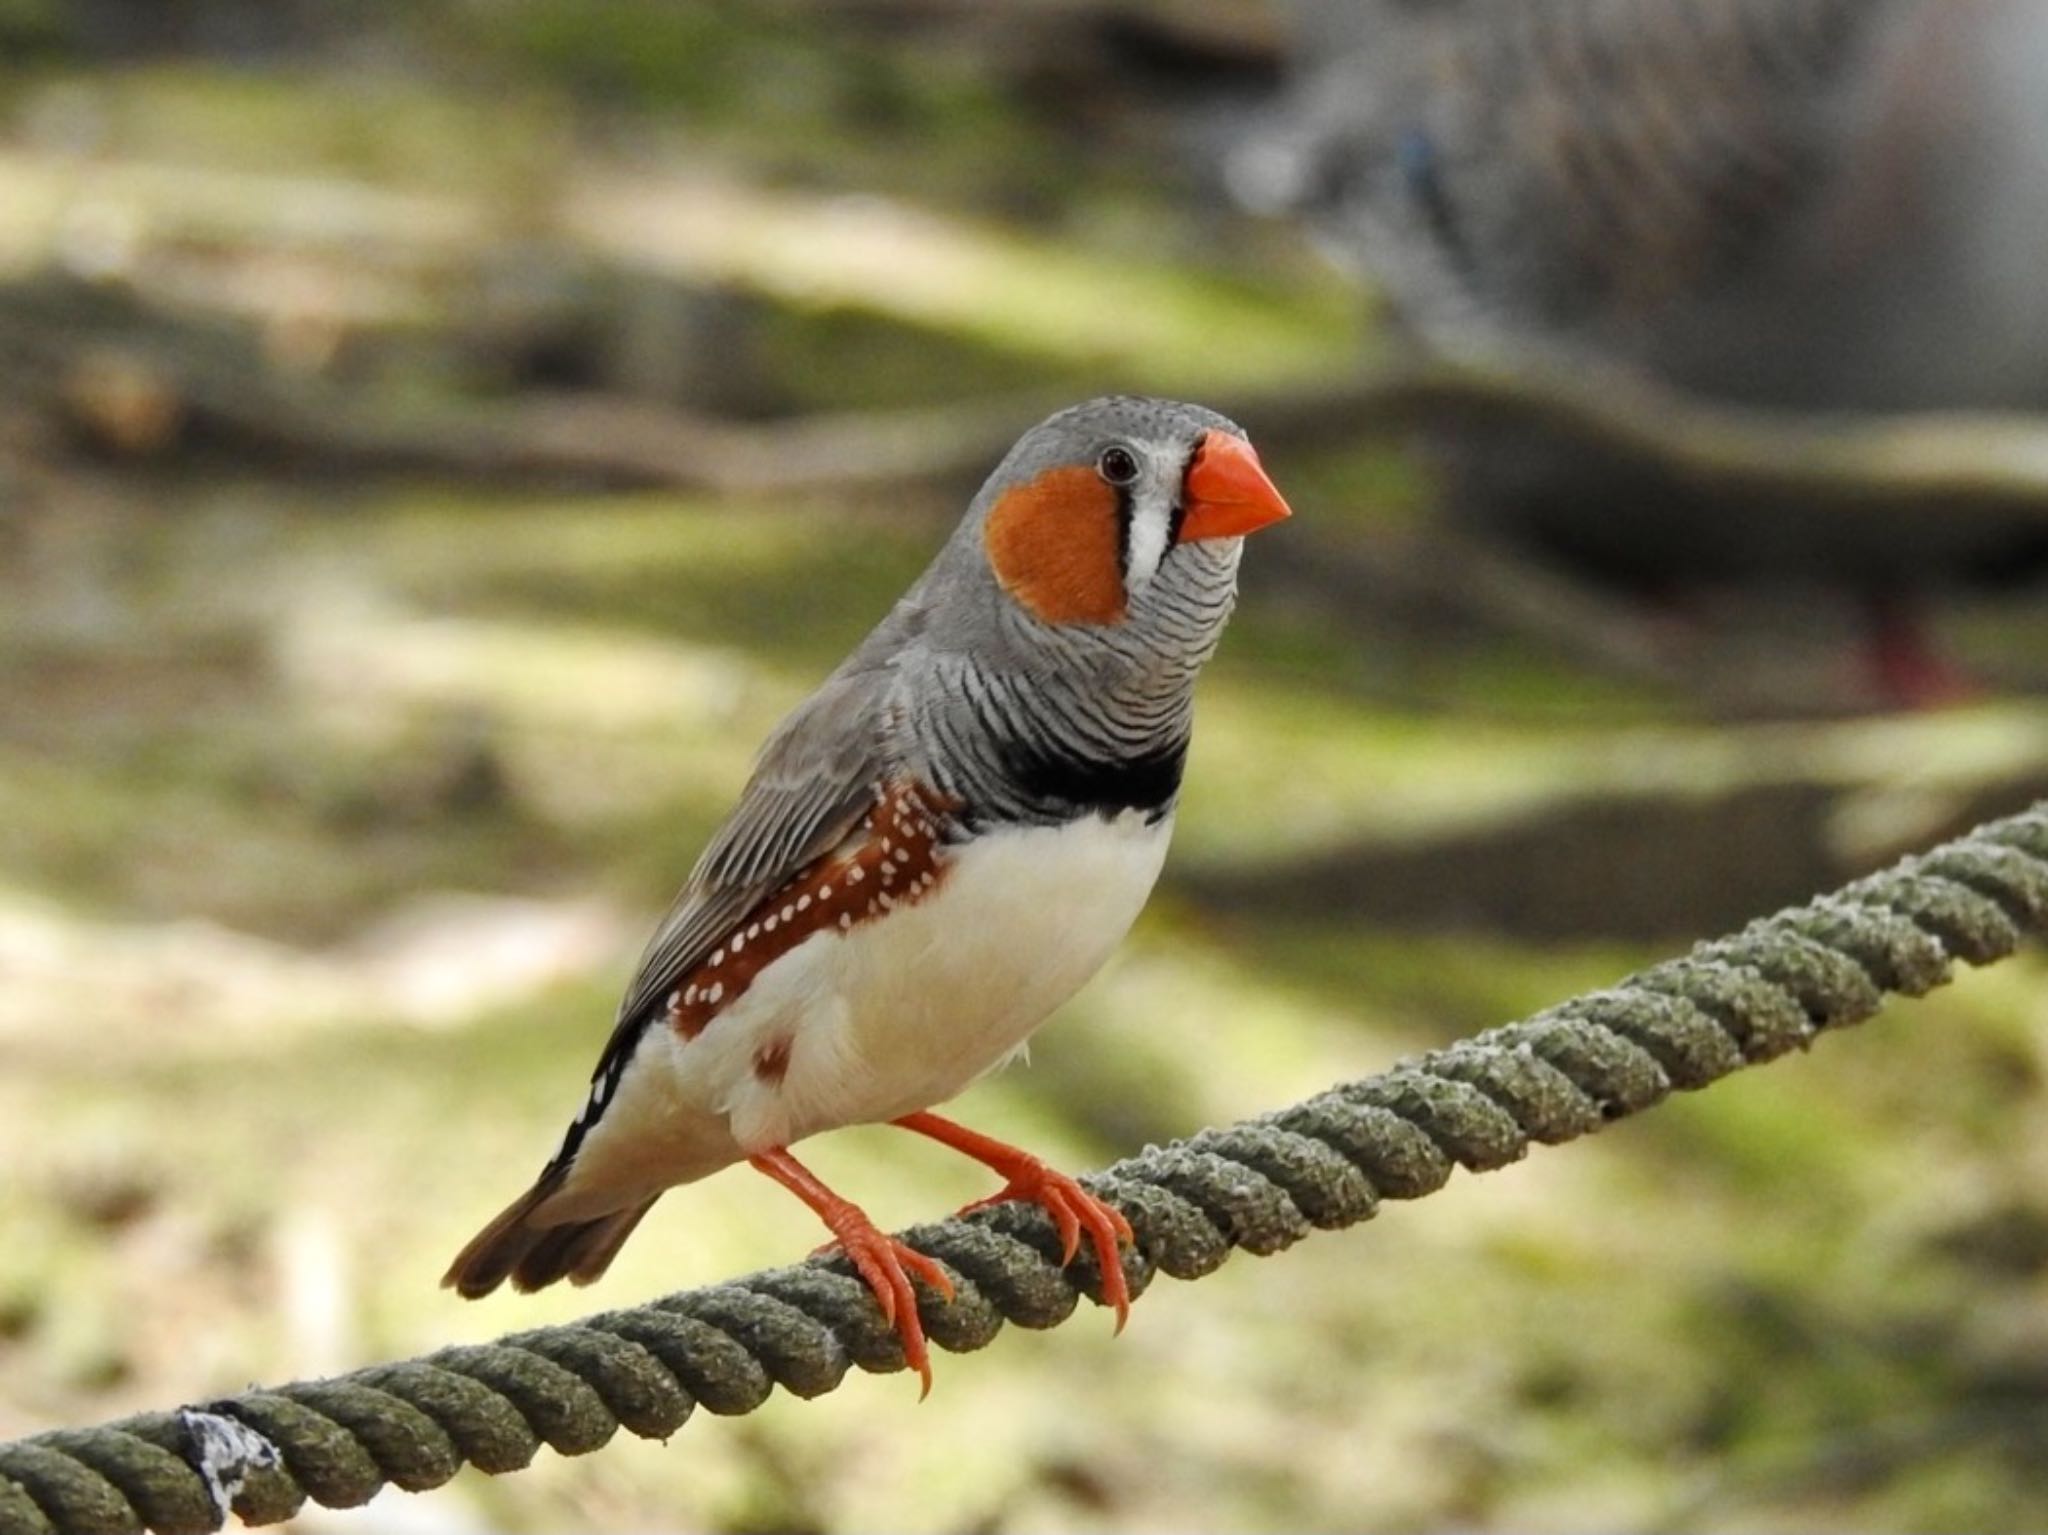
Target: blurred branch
1666,850
1957,467
1443,583
1964,463
143,380
1445,576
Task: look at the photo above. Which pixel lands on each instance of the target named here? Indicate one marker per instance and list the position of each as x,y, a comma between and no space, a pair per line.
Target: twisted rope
1260,1185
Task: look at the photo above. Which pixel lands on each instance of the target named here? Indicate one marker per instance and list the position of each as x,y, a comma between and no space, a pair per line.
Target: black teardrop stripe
1051,779
1123,531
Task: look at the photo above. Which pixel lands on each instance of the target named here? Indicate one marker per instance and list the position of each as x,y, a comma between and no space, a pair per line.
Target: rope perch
1260,1185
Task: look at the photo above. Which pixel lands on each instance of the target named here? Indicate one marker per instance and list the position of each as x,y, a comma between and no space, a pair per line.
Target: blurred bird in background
1812,206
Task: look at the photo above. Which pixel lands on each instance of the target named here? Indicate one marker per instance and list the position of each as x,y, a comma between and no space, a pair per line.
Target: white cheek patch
1151,527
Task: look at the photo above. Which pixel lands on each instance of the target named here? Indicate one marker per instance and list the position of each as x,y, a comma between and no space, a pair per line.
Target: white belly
894,1016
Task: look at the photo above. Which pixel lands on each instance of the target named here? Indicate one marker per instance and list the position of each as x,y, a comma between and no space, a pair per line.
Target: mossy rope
1260,1185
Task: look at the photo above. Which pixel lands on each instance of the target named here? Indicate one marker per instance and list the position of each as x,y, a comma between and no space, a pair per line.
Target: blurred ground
342,772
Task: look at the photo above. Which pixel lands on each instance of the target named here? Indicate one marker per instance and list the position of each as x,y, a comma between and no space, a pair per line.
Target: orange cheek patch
1053,544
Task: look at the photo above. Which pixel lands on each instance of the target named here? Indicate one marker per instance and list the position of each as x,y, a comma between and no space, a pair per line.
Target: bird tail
523,1245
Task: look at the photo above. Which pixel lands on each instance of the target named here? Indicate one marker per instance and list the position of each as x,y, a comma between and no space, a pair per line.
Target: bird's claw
1074,1210
886,1265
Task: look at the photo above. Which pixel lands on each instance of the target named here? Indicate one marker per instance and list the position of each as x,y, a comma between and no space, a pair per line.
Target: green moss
825,102
852,359
31,26
799,586
379,127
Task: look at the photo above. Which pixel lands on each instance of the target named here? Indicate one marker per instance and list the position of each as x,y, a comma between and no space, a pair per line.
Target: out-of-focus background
438,440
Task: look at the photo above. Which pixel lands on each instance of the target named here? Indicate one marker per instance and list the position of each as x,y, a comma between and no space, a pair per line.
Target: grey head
1044,665
1090,532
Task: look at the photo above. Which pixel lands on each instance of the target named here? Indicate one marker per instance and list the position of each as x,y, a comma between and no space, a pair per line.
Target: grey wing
815,778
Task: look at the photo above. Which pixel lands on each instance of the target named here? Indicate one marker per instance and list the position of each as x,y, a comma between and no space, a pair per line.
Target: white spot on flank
718,956
715,993
803,903
769,925
845,919
739,941
824,892
855,875
788,912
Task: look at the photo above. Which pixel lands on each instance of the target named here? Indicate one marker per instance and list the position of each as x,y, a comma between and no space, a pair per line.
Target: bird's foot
1073,1210
884,1264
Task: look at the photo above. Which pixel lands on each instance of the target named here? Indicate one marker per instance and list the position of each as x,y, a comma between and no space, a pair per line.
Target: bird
1815,206
933,852
1810,204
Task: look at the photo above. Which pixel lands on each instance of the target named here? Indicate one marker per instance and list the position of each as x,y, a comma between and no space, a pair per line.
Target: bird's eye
1118,465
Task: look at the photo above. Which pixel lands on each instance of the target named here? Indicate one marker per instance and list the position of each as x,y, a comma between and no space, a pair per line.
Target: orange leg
1071,1207
883,1262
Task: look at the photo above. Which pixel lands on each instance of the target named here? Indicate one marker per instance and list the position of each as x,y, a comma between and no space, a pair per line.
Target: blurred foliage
333,808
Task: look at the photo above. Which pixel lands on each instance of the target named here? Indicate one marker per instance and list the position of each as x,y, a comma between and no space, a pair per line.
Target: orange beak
1228,494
